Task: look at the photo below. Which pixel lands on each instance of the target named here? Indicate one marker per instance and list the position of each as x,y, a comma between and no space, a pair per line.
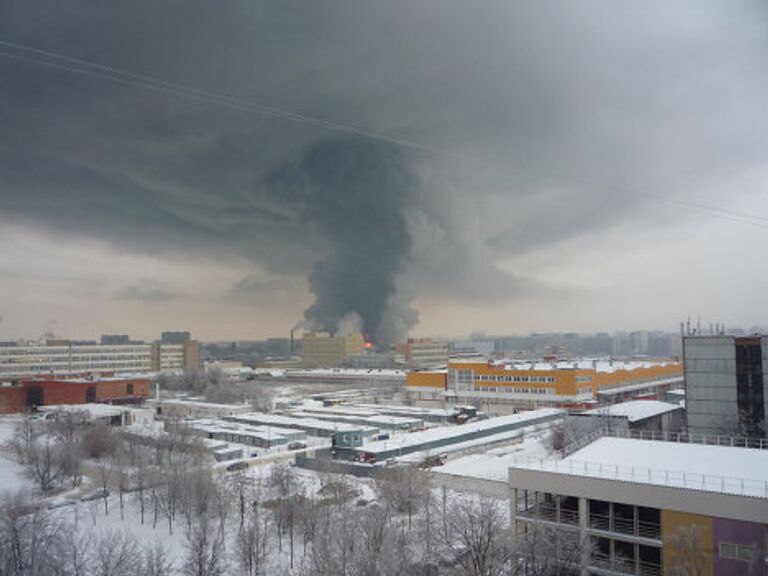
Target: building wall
747,535
710,384
66,358
12,399
698,532
323,350
75,392
435,380
555,384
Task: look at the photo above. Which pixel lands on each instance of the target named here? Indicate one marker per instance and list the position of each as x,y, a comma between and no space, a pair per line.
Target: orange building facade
538,384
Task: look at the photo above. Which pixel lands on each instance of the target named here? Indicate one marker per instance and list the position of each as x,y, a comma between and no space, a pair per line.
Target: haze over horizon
437,167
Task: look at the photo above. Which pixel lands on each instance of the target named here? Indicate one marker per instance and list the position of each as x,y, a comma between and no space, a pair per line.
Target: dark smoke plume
354,193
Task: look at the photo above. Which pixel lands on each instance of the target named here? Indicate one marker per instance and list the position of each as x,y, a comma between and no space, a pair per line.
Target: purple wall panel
735,531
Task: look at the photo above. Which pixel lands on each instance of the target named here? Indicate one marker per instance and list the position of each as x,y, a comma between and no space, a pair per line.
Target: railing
625,526
623,566
680,437
671,478
569,516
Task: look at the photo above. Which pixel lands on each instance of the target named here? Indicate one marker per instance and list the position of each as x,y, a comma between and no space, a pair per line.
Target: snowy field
12,476
494,464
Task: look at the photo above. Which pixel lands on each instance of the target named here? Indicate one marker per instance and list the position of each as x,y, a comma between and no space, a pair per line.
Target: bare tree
205,555
252,545
548,551
116,554
404,488
689,553
45,464
157,562
24,435
68,428
105,474
478,537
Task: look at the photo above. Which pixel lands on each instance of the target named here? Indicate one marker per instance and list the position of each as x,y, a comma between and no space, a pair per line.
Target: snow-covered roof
599,364
722,469
199,404
635,410
403,441
93,410
290,422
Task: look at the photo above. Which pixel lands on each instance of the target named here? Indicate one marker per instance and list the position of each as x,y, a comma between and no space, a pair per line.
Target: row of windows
532,379
582,379
510,390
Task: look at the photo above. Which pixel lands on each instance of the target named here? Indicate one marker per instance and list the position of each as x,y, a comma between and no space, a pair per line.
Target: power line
66,63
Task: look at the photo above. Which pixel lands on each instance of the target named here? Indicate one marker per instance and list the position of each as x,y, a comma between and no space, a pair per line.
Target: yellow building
321,350
540,383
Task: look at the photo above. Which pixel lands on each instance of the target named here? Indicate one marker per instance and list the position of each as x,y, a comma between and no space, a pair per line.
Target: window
129,389
733,551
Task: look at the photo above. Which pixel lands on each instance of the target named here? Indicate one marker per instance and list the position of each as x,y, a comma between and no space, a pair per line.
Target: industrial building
643,507
312,426
31,393
423,352
640,415
355,415
189,409
110,414
571,384
65,358
725,384
321,350
257,436
437,438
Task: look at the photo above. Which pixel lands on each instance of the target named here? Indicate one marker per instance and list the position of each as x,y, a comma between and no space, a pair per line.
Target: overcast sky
579,166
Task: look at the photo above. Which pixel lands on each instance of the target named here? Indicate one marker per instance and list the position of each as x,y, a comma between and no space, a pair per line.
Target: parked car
296,446
235,466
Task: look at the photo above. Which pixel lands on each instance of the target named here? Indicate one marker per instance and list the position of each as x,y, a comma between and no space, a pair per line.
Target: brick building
43,391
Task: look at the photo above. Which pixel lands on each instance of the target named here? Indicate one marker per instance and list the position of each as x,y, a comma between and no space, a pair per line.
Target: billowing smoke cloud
354,193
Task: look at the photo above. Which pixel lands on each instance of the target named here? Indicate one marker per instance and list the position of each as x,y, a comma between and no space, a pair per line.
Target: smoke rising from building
354,193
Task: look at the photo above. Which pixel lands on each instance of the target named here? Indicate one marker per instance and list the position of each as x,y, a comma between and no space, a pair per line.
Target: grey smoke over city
355,193
433,167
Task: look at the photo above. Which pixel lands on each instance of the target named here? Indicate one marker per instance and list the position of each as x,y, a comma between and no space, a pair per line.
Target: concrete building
570,384
640,415
649,508
320,349
183,409
424,352
724,384
64,357
439,438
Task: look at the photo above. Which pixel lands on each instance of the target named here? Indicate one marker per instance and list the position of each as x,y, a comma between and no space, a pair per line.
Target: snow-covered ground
494,464
12,477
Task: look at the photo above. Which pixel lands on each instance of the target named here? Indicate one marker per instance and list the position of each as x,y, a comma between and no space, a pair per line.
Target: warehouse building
640,416
650,507
31,393
258,436
436,438
571,384
312,426
188,409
